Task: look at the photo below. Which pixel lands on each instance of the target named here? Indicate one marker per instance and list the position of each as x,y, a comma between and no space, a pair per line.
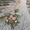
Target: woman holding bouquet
24,16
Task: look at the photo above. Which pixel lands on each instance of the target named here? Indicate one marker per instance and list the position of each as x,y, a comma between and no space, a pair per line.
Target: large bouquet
12,18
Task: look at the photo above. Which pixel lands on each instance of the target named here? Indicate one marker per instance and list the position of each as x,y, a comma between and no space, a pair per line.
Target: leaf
7,14
18,22
16,10
2,17
16,15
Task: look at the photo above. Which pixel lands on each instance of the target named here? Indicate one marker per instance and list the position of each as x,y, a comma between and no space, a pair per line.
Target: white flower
17,13
15,21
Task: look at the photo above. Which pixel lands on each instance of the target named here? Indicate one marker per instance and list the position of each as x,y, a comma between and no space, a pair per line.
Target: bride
24,19
23,12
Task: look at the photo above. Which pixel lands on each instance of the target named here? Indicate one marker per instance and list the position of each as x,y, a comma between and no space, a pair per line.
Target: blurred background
28,5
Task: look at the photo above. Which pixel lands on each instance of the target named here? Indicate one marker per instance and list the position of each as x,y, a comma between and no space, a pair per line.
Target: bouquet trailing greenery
11,18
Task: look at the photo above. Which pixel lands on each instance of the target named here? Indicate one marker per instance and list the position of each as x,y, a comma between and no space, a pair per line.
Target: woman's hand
15,5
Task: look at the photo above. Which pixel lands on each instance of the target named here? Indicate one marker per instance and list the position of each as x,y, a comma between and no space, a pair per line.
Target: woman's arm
16,3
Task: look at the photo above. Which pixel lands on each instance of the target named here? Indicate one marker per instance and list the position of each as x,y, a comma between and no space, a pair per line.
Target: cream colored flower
15,21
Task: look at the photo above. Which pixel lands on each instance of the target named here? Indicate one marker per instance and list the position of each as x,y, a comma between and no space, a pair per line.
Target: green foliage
16,10
7,14
10,20
17,15
4,1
